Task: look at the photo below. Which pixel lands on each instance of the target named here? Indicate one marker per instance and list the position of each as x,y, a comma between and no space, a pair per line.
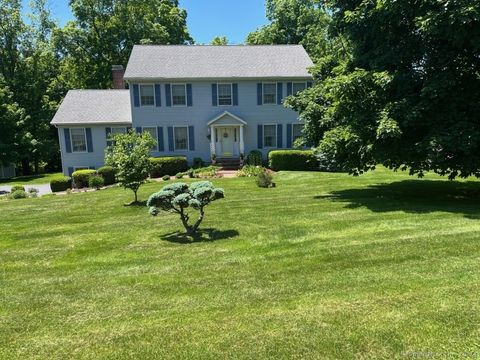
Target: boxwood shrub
81,177
19,194
299,160
61,184
17,187
108,174
162,166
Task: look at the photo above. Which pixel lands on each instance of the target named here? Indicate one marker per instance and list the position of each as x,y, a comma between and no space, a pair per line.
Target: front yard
323,265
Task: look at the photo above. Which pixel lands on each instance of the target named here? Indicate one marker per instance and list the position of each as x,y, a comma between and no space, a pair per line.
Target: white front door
227,141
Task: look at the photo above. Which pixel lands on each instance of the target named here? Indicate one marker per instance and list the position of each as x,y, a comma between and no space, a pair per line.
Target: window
181,138
152,131
118,130
270,135
297,87
270,93
79,140
147,97
76,168
224,94
179,95
296,132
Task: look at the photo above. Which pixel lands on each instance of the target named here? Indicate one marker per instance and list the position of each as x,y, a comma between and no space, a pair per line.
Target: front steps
228,163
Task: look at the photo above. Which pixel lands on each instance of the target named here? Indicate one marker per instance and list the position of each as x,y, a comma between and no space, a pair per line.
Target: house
7,171
210,102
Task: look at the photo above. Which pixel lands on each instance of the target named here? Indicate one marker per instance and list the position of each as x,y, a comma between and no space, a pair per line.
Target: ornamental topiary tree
180,196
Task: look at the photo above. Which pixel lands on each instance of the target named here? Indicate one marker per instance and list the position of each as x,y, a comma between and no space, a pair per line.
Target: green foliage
264,179
17,187
108,174
61,184
168,165
255,158
191,174
166,177
180,175
219,40
18,194
96,182
250,171
130,156
178,197
299,160
81,178
198,163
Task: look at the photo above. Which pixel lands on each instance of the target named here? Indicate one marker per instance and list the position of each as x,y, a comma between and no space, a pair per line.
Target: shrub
206,172
180,175
80,177
254,158
328,163
168,166
264,179
96,182
300,160
198,163
191,174
108,174
17,187
61,184
179,196
250,171
166,178
19,194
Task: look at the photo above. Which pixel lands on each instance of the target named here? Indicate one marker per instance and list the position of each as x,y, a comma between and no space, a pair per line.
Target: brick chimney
117,76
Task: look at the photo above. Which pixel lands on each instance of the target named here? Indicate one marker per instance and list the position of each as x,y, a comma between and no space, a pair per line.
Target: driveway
42,188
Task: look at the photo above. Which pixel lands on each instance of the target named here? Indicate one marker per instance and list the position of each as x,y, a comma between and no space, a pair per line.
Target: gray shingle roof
217,62
94,107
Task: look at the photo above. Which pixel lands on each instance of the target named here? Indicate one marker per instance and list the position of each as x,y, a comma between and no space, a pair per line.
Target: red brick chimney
117,76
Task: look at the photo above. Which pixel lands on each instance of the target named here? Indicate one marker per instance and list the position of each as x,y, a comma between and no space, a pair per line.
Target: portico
227,136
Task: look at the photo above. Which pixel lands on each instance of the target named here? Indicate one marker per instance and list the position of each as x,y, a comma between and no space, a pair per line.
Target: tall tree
104,32
408,95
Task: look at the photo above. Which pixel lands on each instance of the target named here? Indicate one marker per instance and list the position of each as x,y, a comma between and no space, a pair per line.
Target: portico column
242,143
212,141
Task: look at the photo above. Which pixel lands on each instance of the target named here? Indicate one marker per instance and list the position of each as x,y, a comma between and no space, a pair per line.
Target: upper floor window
224,94
181,137
179,95
296,131
78,140
147,95
270,135
269,93
298,86
118,130
153,132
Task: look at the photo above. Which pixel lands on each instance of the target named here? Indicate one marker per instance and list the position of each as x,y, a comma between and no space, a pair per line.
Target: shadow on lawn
414,196
201,236
26,178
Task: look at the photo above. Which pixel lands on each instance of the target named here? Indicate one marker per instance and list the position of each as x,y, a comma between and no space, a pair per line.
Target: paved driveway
42,188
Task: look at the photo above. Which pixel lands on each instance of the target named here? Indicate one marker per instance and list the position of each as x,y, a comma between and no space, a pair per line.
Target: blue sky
206,18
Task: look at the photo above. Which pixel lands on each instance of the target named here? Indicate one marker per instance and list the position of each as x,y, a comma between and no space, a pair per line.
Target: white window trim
171,94
156,132
298,82
231,94
276,136
263,93
175,142
84,136
140,95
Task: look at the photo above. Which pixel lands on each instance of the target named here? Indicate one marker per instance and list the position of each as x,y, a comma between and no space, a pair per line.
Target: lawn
322,266
31,179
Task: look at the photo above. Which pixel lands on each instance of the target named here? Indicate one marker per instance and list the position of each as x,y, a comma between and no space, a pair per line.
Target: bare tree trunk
199,221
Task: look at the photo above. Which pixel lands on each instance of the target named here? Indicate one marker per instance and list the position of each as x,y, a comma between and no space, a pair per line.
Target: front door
227,144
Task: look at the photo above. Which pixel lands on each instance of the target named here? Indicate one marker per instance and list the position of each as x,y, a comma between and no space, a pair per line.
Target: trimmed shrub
254,158
264,179
168,166
96,181
108,174
198,163
61,184
191,174
81,177
180,175
17,187
166,178
299,160
19,194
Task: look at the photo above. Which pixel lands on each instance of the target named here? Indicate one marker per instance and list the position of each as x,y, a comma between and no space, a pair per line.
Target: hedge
108,174
162,166
299,160
61,184
16,188
80,177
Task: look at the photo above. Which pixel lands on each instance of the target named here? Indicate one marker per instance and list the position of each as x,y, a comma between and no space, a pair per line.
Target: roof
94,107
171,62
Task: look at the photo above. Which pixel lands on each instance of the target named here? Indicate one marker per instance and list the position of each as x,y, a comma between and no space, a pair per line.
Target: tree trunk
199,221
136,198
25,166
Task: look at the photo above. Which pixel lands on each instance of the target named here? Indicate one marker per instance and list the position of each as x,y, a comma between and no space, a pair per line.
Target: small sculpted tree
129,154
178,197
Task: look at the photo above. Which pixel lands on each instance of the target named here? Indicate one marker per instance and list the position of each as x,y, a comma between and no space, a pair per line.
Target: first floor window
179,97
147,97
181,138
270,93
224,94
270,135
297,87
152,131
79,141
119,130
296,132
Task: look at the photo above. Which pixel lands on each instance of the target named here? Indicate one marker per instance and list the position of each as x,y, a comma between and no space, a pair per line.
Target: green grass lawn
322,266
31,179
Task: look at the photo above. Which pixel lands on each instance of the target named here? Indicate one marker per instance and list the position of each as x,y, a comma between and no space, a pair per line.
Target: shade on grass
31,180
323,265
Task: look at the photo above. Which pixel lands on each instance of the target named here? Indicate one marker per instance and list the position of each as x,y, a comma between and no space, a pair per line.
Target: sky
206,18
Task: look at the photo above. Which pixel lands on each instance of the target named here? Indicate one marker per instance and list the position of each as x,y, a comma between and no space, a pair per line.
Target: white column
242,143
212,140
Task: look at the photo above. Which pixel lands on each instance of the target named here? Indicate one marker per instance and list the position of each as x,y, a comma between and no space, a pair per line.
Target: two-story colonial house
196,101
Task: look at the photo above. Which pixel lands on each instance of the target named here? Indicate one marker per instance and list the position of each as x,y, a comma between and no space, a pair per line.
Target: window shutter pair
136,95
68,143
260,93
168,94
215,94
191,138
279,136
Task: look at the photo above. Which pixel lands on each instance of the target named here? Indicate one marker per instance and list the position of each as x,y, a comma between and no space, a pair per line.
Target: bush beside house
172,165
61,184
81,177
108,174
296,160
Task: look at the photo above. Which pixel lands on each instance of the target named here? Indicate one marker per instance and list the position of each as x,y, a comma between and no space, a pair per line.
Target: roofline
273,78
57,124
226,113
